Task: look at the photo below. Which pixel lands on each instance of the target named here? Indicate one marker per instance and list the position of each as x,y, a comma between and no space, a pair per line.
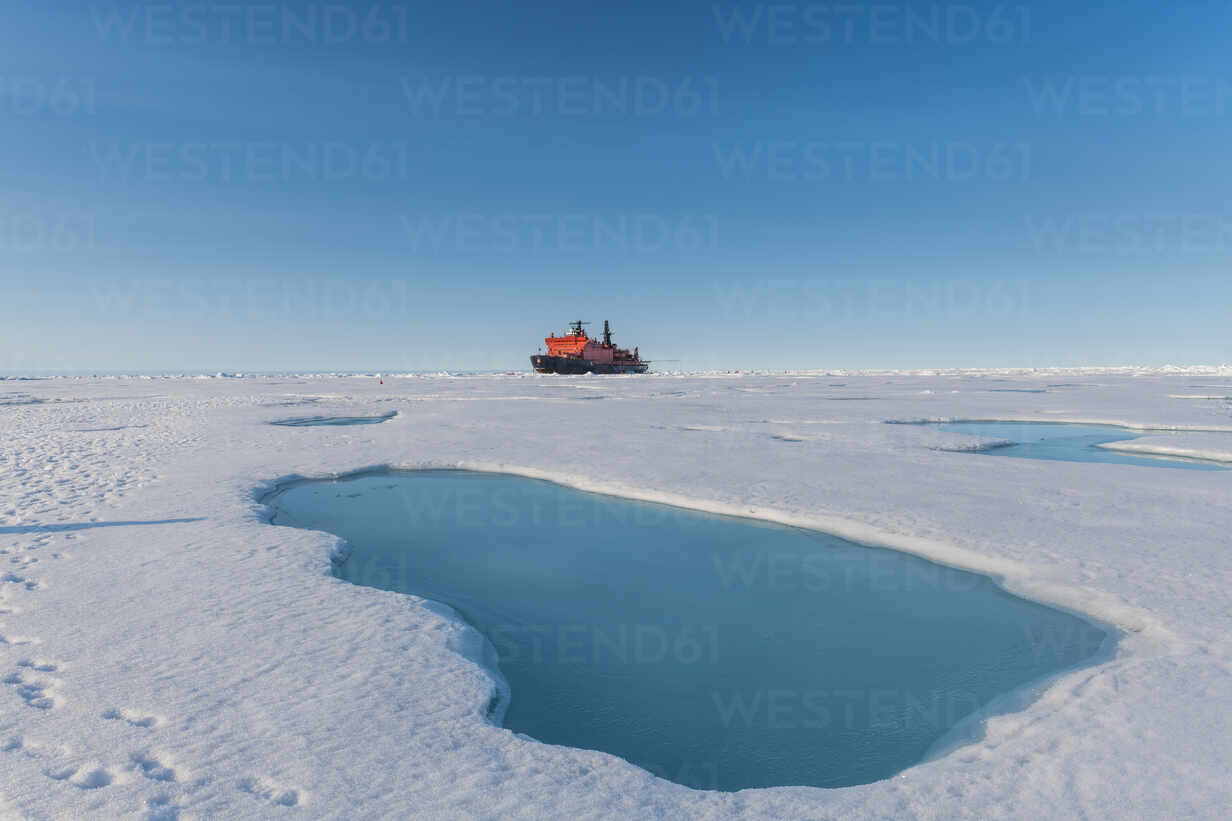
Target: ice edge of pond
1119,621
1053,420
332,421
1117,446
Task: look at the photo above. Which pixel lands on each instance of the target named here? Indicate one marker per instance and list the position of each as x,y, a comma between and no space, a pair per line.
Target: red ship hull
573,364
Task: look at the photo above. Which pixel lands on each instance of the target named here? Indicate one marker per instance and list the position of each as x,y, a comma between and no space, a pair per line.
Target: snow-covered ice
165,652
1212,447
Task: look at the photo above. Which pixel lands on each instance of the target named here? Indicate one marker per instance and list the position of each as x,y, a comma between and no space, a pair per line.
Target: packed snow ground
166,653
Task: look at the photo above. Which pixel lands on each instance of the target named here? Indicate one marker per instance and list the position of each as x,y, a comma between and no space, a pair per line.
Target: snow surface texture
166,653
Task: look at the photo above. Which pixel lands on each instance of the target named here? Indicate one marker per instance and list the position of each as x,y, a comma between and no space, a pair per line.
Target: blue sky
403,186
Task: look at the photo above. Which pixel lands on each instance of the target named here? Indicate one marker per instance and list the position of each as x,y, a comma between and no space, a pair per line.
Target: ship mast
607,334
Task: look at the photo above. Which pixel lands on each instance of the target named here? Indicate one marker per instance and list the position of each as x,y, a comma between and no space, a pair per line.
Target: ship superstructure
575,352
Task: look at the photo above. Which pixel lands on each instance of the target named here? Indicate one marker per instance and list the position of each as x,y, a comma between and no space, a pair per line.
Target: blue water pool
1069,443
717,652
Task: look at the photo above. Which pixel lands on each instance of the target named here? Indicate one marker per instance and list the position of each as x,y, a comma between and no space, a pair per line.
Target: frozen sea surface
165,652
718,652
